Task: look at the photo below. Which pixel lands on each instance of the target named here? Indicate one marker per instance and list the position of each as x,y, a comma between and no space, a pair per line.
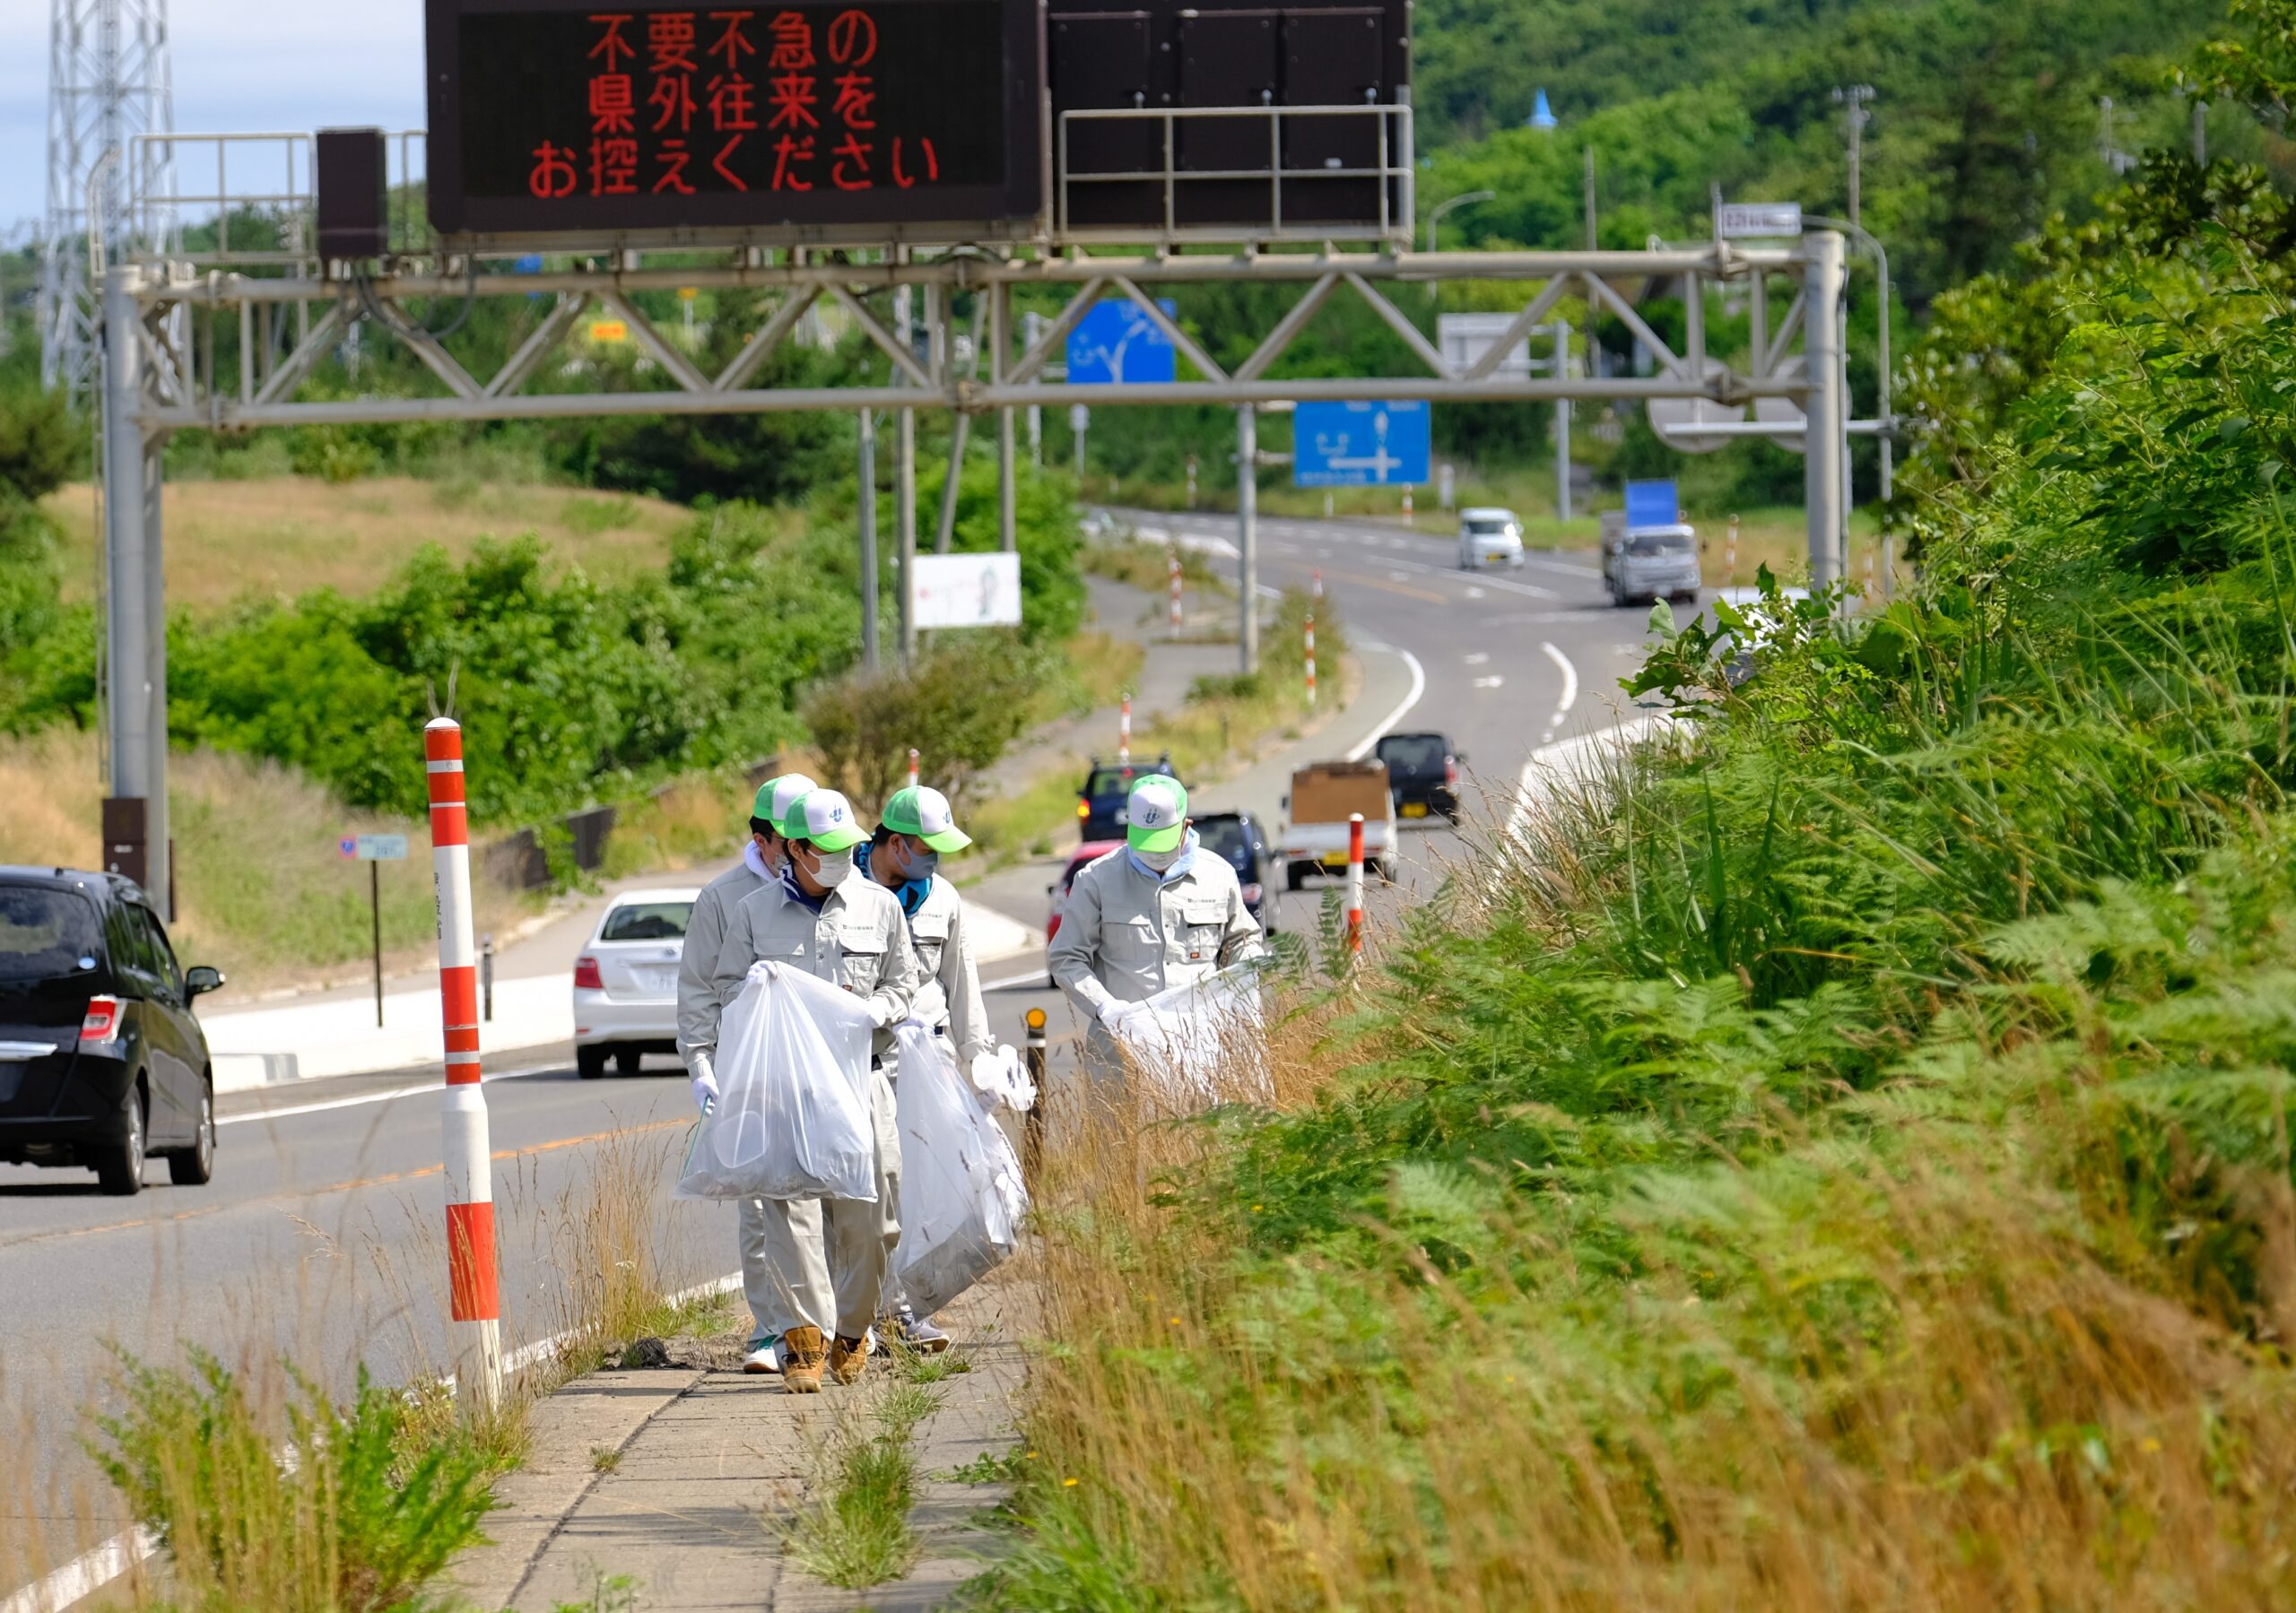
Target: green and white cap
1155,814
824,818
924,812
775,796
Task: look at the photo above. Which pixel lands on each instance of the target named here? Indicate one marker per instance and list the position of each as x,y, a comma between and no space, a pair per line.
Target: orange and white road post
1311,661
912,767
474,1285
1354,886
1173,562
1124,729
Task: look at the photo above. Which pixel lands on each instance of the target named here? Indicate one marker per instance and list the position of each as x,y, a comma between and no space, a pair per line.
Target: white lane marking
85,1574
1570,691
1479,658
1034,977
1418,688
1398,576
1493,681
1474,593
371,1098
1483,578
1575,760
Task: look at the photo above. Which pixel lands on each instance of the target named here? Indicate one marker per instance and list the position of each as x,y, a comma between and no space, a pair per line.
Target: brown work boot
800,1361
848,1358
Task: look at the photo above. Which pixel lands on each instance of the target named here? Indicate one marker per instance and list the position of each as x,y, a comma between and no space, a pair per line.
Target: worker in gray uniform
904,856
832,920
698,1007
1154,914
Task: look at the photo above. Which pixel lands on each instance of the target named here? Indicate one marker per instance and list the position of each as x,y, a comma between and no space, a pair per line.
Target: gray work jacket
699,1003
1125,936
950,991
858,941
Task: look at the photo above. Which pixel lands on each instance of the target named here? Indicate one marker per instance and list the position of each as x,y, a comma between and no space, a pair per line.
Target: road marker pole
1032,1124
1173,562
912,767
1311,661
473,1284
1354,887
1124,729
1406,506
1316,583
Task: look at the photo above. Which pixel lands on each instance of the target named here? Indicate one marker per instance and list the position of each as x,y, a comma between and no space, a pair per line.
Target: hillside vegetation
1838,1158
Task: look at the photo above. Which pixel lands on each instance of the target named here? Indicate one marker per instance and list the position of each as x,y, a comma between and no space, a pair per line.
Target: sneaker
905,1330
848,1358
764,1354
801,1365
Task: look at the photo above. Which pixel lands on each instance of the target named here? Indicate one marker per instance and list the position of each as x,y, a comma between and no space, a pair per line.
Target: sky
238,64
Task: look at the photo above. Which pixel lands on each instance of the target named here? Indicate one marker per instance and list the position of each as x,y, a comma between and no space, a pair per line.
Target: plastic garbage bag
962,1195
1200,1044
792,1118
1002,1079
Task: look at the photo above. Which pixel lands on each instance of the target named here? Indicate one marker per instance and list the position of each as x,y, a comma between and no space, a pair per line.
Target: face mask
830,871
919,865
1161,861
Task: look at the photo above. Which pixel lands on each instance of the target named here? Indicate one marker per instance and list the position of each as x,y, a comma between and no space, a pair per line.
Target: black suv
1100,804
1238,837
102,1063
1423,774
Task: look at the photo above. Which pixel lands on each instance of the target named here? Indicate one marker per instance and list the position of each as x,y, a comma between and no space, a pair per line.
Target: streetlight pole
1440,208
1854,99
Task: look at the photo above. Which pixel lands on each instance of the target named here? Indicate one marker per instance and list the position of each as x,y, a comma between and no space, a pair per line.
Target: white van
1490,537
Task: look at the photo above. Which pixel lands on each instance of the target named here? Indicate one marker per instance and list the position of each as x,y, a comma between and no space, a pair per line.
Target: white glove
705,1085
880,1015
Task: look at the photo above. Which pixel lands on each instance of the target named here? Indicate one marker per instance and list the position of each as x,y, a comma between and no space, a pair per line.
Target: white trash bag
792,1117
1200,1044
1002,1079
961,1196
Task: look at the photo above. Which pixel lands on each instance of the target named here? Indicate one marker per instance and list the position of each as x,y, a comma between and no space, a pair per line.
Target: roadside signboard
1116,344
1360,444
966,591
372,848
1651,504
558,119
1739,219
1463,338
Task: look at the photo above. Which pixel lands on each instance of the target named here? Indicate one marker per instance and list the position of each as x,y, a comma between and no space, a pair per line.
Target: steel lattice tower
108,82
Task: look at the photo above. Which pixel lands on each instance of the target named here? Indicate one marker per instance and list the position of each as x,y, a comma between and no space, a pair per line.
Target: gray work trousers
822,1263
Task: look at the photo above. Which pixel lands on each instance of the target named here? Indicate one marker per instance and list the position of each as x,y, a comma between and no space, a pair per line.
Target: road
319,1238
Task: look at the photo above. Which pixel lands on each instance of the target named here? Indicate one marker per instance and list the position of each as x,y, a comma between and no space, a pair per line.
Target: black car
1100,804
102,1063
1423,774
1238,837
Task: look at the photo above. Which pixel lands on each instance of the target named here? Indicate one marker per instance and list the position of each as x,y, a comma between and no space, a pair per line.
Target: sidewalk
685,1481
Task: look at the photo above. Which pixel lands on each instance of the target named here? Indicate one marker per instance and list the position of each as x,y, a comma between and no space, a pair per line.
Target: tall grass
1840,1160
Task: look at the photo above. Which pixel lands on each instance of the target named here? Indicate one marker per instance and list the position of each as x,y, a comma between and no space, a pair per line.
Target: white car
1490,537
626,981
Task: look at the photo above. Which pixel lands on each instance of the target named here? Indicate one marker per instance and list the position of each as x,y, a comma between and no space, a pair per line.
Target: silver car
626,981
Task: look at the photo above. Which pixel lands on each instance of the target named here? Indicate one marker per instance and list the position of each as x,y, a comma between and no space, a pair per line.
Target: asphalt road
319,1237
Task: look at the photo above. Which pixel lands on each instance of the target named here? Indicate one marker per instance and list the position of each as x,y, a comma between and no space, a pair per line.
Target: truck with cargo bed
1324,795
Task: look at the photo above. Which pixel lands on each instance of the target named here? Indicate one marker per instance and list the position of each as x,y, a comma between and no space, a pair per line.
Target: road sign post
374,851
474,1286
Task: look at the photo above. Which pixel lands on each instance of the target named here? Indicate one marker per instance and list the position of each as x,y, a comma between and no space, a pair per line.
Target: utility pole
1562,423
1823,404
1854,101
1248,536
905,492
868,511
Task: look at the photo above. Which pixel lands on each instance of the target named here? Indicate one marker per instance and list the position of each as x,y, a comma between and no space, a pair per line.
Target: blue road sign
1118,344
1360,445
1651,504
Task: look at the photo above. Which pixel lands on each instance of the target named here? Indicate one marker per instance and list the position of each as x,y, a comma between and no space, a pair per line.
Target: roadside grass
856,1531
1147,567
264,1493
262,891
280,536
1839,1161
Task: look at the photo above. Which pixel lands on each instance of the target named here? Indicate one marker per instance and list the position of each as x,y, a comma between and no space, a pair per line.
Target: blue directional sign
1116,344
1360,445
1651,504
